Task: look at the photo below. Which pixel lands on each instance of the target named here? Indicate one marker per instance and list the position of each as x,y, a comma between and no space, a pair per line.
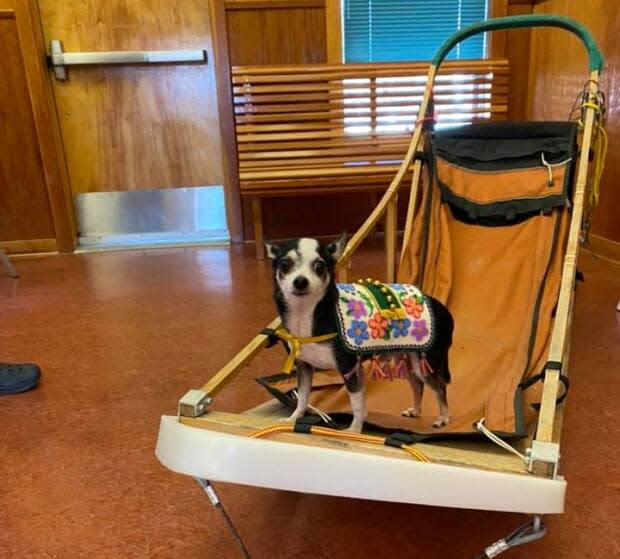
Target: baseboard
604,247
29,246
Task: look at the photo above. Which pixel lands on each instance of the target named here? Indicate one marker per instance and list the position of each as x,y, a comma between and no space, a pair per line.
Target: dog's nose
300,283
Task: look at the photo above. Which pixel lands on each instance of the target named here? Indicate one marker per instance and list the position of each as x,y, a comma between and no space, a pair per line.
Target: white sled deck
461,474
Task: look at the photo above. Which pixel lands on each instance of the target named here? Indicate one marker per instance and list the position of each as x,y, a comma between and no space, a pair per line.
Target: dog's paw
411,412
353,428
441,421
291,418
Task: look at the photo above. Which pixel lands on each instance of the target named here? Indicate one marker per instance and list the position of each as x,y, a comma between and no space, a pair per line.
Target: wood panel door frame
221,64
333,31
46,122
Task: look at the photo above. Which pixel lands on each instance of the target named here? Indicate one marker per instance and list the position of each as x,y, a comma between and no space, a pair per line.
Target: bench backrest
316,125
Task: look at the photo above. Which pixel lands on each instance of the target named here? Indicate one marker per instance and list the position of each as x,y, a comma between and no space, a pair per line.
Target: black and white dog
305,294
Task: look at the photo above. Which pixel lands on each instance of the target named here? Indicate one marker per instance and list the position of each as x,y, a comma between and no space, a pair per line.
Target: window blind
409,30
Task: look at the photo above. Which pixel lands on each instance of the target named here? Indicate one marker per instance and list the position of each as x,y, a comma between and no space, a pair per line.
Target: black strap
271,334
306,423
398,439
550,366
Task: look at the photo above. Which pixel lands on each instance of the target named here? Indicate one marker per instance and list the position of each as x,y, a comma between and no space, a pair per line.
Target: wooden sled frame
216,445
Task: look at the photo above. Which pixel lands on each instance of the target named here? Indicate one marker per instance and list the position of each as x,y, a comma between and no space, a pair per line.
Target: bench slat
337,124
332,85
352,71
446,98
322,172
350,141
367,67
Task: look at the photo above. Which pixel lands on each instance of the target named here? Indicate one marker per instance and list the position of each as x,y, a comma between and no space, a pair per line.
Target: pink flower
357,308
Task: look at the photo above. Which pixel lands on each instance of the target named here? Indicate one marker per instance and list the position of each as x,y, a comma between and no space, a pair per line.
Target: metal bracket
194,403
59,59
496,548
534,529
549,453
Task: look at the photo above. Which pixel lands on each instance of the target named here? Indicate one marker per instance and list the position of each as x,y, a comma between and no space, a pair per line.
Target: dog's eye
285,265
319,267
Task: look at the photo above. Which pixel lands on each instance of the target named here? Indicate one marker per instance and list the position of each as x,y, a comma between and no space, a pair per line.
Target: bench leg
257,216
8,264
374,200
390,239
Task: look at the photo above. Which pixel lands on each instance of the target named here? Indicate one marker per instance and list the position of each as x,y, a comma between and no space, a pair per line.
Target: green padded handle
594,54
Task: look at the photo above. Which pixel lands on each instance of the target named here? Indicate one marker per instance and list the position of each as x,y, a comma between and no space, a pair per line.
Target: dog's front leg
358,407
304,386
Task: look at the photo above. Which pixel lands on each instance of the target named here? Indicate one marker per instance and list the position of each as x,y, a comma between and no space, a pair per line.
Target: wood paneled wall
276,33
518,55
35,209
136,127
558,71
24,206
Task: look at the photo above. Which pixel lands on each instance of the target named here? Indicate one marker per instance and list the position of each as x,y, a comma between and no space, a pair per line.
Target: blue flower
400,327
358,331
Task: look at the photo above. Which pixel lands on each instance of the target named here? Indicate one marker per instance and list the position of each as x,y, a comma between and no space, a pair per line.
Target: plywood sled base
306,464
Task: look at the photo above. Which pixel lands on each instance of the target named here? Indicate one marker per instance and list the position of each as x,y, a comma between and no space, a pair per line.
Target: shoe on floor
18,377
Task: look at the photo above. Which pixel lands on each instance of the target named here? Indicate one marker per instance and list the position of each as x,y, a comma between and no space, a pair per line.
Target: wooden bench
322,129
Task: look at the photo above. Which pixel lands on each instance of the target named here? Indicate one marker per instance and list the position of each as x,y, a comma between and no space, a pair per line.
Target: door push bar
59,60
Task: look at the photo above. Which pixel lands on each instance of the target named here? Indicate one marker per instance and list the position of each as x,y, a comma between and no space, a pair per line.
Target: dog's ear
336,247
272,249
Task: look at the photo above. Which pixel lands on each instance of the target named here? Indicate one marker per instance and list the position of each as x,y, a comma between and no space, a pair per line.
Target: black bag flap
505,170
507,145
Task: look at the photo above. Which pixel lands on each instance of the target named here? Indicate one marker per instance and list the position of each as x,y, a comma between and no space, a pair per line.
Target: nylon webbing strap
271,334
550,366
304,424
397,440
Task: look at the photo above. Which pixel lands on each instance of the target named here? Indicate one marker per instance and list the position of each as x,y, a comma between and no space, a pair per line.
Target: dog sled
494,220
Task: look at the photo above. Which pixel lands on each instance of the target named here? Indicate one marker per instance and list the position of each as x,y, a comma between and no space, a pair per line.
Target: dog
305,293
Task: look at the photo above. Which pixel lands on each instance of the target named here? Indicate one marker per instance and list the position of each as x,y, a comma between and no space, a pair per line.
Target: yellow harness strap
296,343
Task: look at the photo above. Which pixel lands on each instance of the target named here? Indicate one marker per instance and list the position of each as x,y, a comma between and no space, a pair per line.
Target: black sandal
18,377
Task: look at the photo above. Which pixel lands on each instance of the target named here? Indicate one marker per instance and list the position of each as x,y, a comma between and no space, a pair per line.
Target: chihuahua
305,294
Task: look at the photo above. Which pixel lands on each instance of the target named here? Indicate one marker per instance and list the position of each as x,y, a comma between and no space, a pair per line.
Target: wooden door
35,212
137,127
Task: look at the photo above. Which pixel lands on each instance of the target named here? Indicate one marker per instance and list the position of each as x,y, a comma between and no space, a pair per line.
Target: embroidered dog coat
375,318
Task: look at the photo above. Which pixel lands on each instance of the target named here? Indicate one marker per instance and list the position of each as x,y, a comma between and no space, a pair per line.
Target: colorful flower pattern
400,327
378,326
413,307
357,308
419,330
364,328
358,331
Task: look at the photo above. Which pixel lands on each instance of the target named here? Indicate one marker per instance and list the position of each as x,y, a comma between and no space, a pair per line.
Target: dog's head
304,267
